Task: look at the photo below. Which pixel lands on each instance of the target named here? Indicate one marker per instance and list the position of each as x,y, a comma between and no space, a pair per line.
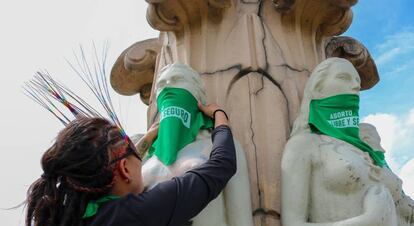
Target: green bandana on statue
180,122
337,116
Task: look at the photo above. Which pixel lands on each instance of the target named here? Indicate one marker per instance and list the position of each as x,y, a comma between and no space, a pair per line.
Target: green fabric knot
93,205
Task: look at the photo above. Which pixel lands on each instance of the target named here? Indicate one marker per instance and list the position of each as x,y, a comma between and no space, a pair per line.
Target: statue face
342,78
181,76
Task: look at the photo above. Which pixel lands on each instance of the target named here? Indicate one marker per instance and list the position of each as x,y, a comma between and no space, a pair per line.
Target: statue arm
237,193
296,172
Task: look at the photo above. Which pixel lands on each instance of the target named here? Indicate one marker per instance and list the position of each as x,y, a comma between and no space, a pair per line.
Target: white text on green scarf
177,112
343,119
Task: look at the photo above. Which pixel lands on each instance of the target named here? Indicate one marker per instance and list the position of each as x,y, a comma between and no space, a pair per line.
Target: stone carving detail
167,15
404,205
133,71
283,6
354,51
326,181
255,57
157,19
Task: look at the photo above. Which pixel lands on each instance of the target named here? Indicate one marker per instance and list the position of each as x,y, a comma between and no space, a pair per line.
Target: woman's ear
123,170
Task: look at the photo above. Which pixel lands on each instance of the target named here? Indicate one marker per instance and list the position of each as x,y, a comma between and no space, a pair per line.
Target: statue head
182,76
369,134
331,77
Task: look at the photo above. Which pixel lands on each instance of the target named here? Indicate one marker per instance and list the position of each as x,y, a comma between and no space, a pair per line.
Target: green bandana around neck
93,206
337,116
180,122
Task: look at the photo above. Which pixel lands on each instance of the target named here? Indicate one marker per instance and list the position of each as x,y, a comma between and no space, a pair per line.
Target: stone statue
404,205
327,181
233,206
254,57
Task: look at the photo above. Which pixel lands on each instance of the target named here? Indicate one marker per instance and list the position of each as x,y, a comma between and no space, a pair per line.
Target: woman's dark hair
77,168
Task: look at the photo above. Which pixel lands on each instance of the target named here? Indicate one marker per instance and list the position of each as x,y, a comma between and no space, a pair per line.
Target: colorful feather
48,92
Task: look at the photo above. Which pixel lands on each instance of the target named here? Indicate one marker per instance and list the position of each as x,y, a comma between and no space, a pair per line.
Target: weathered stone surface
133,71
358,54
283,6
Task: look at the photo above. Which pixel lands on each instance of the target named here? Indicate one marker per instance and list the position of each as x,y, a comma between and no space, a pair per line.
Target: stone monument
255,57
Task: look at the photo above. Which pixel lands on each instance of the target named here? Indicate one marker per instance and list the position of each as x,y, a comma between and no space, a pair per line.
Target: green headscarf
180,122
337,116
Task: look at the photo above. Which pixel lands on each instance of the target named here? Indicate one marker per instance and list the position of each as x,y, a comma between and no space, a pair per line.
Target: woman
327,180
92,172
92,176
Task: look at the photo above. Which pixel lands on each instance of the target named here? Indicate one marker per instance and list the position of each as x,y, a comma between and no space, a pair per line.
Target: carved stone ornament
133,71
254,57
167,15
358,55
283,6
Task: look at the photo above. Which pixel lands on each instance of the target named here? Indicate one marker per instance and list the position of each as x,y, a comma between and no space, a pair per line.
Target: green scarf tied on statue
180,122
337,116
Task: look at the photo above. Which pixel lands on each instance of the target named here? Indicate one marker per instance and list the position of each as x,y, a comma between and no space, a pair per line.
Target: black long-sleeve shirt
176,201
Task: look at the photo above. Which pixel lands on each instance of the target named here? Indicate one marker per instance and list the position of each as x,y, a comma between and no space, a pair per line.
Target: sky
387,30
38,35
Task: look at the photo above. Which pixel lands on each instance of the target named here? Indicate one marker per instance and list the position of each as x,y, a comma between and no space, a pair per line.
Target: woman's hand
220,118
208,109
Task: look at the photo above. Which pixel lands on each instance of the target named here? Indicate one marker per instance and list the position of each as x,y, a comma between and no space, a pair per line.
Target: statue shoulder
300,147
298,156
302,141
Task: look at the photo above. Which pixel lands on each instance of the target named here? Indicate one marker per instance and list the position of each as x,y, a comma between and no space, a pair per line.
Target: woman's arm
146,141
176,201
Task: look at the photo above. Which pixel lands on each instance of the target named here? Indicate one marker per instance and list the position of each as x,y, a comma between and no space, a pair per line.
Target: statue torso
341,176
192,155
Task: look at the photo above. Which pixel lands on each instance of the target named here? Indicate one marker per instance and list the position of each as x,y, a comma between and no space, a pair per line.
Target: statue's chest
343,168
200,148
191,156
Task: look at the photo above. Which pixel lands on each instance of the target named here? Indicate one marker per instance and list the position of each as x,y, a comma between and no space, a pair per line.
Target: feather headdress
65,104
